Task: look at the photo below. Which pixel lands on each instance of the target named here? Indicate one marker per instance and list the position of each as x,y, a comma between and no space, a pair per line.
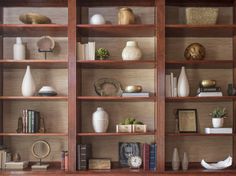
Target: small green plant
102,53
218,113
131,121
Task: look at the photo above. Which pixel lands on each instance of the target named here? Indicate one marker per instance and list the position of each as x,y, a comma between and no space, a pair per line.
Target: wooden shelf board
200,3
33,134
116,134
199,99
43,64
100,98
45,98
33,30
183,30
101,3
117,64
141,30
33,3
196,134
206,64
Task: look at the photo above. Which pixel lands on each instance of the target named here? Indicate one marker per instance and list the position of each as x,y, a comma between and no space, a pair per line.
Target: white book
16,165
172,84
175,87
210,94
218,130
91,54
142,94
168,86
80,51
86,51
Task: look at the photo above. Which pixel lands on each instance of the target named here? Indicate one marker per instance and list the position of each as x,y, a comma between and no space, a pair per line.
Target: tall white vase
28,85
183,85
100,120
175,160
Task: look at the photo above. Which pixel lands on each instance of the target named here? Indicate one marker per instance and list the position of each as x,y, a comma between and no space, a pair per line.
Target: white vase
19,49
183,85
28,85
97,19
131,51
185,162
100,120
217,122
175,160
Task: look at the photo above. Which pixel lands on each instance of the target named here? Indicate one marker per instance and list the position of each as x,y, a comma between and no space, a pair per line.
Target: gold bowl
133,89
34,18
208,83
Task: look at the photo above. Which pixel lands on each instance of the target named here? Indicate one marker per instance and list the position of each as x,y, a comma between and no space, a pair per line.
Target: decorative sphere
97,19
195,51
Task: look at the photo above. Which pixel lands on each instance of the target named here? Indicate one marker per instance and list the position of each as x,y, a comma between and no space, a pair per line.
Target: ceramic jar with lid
100,120
131,51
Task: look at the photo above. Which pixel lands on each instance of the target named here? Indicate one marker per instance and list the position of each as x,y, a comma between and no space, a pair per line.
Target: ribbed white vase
100,120
28,85
183,85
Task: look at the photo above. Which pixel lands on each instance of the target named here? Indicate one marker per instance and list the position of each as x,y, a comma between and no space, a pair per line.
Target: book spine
23,120
78,156
29,121
63,160
36,126
210,89
146,158
26,120
32,121
152,164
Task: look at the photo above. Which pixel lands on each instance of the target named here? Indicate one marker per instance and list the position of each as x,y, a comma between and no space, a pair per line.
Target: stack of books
84,152
31,121
5,156
140,94
16,165
209,91
149,156
171,85
218,130
86,51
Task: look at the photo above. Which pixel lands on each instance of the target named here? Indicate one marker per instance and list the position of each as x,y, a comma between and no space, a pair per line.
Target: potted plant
102,53
218,115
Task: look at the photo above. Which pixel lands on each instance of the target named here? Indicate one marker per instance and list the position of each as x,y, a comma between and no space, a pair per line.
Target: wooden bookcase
162,39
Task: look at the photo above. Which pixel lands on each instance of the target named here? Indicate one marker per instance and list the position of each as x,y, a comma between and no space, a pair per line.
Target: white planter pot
97,19
28,86
217,122
100,120
183,85
131,51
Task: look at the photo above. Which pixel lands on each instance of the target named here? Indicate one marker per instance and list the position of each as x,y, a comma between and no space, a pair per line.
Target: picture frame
187,120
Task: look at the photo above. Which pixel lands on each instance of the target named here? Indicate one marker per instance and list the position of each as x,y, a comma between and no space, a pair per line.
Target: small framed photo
187,120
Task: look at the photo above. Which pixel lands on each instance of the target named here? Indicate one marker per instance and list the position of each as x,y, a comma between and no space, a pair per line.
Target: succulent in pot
218,115
102,53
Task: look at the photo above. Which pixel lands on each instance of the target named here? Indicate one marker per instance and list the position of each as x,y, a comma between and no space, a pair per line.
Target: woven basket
201,15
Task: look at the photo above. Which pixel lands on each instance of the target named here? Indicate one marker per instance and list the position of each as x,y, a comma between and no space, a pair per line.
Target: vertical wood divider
1,77
234,84
160,87
72,87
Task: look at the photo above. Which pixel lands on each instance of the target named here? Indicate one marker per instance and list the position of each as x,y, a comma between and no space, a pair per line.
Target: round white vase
131,51
97,19
28,85
100,120
217,122
183,85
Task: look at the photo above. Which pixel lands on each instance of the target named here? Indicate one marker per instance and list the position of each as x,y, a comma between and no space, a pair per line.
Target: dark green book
37,121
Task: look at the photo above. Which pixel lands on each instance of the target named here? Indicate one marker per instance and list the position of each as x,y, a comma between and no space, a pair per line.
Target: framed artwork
187,120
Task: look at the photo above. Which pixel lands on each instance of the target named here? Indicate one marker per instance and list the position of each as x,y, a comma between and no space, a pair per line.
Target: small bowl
133,89
208,83
47,91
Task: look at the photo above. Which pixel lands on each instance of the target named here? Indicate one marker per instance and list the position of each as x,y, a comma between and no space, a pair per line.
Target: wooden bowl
34,18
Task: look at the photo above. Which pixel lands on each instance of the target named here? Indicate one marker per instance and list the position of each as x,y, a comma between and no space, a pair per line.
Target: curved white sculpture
219,165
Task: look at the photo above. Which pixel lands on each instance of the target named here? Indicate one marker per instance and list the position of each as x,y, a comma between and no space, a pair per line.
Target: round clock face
135,162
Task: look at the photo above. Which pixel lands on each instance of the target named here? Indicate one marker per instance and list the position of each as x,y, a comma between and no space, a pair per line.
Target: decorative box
201,15
124,128
139,128
99,164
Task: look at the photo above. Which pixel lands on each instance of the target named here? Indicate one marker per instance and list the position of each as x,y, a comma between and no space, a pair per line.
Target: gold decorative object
195,51
40,150
126,16
208,83
201,15
133,89
34,18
